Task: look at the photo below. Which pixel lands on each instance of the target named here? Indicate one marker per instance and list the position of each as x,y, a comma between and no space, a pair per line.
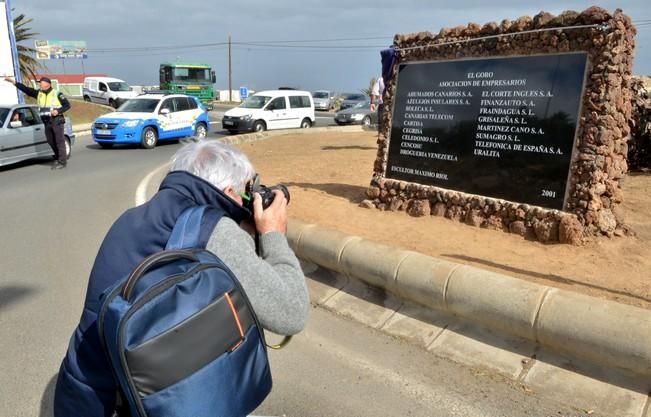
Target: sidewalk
588,388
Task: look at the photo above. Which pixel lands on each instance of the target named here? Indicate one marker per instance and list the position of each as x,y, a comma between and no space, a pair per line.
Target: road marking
141,191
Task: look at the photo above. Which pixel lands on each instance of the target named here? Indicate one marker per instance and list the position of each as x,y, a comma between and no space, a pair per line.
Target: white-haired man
203,173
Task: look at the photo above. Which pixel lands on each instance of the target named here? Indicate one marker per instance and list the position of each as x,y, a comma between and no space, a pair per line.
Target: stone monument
520,126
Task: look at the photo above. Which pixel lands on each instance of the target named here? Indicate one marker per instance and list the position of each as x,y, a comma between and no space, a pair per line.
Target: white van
105,90
275,109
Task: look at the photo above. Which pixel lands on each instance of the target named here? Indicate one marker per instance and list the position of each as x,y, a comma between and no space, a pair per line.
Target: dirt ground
327,175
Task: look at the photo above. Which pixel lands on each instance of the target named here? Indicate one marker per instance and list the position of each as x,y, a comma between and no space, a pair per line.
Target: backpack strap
194,227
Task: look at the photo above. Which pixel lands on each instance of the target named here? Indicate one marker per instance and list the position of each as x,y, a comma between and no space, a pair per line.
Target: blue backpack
181,335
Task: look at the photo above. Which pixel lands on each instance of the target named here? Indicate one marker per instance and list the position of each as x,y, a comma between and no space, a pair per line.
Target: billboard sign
8,55
61,49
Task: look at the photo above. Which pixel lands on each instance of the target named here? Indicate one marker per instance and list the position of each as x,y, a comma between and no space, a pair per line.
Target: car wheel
259,126
105,145
306,123
149,138
86,98
68,148
200,131
366,121
112,103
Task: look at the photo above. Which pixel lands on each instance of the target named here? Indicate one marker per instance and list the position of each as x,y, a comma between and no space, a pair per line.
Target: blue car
150,118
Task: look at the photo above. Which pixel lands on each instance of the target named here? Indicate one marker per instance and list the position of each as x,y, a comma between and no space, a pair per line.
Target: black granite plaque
497,127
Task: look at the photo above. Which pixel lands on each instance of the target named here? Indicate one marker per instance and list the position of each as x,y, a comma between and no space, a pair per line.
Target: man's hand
55,113
274,218
10,80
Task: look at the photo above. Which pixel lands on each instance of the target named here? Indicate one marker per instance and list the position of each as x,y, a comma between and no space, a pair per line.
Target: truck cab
192,79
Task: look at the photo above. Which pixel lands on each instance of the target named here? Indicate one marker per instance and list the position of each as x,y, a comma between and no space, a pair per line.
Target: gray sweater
273,281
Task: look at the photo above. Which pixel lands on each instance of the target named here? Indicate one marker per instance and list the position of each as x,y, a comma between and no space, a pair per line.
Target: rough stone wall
593,205
639,153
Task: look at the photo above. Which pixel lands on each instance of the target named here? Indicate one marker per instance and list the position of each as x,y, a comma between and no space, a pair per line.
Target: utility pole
230,72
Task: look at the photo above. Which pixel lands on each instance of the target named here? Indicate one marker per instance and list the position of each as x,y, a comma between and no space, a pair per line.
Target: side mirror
16,124
213,77
165,111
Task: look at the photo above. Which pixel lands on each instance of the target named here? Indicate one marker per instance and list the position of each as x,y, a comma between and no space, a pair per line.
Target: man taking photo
54,105
202,174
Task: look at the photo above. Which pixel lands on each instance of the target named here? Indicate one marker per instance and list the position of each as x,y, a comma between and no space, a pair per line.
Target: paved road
52,224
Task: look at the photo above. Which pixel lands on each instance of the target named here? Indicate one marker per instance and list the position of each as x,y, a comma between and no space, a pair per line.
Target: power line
261,42
150,48
308,46
297,50
323,40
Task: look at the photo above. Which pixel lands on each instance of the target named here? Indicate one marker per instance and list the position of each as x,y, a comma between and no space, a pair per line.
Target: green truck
191,79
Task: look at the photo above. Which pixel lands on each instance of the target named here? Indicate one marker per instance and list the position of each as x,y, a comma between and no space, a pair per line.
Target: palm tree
367,91
27,62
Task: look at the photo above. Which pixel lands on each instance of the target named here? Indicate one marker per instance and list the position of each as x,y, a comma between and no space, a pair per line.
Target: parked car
150,118
359,114
275,109
350,100
323,100
22,134
104,90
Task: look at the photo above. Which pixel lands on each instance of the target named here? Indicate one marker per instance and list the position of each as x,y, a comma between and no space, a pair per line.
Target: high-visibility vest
50,99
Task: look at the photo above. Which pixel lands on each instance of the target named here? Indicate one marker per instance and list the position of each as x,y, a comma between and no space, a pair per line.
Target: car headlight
247,117
131,123
358,116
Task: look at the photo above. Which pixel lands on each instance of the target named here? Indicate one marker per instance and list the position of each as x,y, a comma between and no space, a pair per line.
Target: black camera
266,193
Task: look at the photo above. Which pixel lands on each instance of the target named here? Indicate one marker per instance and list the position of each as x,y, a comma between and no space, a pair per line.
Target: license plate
228,123
103,132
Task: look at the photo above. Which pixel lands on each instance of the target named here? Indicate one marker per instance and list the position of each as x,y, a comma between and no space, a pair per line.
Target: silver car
359,114
351,100
323,100
22,134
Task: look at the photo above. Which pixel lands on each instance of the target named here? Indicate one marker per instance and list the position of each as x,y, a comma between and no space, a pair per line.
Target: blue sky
125,24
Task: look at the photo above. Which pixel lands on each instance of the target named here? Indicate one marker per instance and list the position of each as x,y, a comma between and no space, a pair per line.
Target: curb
252,137
81,129
600,331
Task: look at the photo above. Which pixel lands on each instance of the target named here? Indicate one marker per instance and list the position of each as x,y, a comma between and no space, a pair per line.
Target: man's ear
230,191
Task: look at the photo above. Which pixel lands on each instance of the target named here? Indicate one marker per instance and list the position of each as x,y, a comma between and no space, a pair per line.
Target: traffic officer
51,105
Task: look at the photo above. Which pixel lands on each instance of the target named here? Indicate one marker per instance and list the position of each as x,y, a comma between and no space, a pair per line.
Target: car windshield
144,105
363,105
119,86
355,97
3,115
320,94
191,75
255,102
